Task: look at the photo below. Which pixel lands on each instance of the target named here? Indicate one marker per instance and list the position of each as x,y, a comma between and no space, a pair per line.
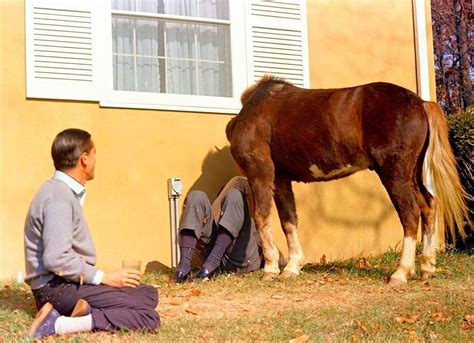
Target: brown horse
284,133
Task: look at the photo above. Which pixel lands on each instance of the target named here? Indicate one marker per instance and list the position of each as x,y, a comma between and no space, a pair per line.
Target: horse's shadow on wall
218,167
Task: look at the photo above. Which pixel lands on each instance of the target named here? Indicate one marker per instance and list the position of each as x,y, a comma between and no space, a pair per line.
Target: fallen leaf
326,278
407,319
276,296
361,326
438,317
175,302
469,318
322,260
195,292
300,339
192,311
363,263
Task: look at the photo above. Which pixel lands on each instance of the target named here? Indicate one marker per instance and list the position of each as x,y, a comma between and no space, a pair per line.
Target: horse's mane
263,80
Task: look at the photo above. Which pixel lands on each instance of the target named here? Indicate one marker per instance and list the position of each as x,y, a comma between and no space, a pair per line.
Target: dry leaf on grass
363,263
195,292
300,339
326,278
425,288
175,302
407,319
192,311
276,296
438,317
469,318
322,260
361,326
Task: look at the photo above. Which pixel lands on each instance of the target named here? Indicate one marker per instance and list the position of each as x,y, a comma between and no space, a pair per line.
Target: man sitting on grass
71,293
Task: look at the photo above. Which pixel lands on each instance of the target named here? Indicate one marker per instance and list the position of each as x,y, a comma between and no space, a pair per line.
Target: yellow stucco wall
350,42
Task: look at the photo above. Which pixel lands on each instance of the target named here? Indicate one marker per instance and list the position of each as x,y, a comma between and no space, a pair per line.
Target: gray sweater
57,238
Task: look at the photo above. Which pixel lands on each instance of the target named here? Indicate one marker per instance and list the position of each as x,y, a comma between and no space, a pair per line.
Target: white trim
184,102
422,66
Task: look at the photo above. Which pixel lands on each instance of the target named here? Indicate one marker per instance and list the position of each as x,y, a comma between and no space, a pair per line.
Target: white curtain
156,55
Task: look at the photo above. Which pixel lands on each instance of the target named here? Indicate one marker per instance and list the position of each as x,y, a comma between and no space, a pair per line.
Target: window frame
179,102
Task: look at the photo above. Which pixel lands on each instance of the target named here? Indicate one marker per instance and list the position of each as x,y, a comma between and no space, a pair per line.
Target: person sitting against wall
71,293
223,233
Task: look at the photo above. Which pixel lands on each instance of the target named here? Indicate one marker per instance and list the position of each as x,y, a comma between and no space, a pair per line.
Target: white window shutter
62,42
277,40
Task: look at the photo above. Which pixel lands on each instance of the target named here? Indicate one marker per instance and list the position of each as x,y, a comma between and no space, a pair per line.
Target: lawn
341,301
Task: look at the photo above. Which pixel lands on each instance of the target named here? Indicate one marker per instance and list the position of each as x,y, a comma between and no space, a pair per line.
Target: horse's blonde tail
440,167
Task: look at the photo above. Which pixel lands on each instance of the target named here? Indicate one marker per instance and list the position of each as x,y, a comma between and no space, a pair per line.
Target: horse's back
324,134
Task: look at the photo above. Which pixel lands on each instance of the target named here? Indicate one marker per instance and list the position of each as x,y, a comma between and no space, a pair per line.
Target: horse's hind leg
285,203
402,192
428,216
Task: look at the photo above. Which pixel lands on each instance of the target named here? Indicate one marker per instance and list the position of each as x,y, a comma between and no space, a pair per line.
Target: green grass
340,301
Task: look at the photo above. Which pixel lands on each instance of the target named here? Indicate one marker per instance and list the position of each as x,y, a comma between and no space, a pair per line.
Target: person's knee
196,197
234,196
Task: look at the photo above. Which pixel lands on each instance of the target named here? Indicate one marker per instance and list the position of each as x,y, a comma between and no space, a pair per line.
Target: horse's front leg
262,192
285,203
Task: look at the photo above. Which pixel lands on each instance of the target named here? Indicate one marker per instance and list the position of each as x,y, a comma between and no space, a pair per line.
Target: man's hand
122,278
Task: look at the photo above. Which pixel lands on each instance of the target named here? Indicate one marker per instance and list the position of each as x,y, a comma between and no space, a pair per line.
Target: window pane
148,75
122,35
181,77
147,37
215,9
214,42
214,80
180,40
124,79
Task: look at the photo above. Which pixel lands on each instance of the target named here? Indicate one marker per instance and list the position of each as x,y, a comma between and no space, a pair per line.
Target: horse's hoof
267,276
286,274
394,282
426,275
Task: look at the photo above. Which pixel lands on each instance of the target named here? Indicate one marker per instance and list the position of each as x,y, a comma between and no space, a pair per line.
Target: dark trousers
243,255
112,308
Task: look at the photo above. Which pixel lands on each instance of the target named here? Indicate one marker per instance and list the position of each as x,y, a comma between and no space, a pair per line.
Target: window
172,46
191,55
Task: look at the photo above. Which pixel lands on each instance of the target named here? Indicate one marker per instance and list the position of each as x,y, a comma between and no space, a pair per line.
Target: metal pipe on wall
175,189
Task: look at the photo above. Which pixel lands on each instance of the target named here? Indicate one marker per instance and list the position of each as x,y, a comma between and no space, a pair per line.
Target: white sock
65,325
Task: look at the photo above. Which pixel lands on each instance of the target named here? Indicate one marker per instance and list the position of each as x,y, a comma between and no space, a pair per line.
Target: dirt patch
216,302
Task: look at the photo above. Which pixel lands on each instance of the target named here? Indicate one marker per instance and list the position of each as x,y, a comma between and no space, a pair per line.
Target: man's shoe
82,308
43,325
203,273
181,277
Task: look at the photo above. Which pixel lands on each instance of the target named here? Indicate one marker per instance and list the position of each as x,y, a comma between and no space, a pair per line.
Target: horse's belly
346,170
309,171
